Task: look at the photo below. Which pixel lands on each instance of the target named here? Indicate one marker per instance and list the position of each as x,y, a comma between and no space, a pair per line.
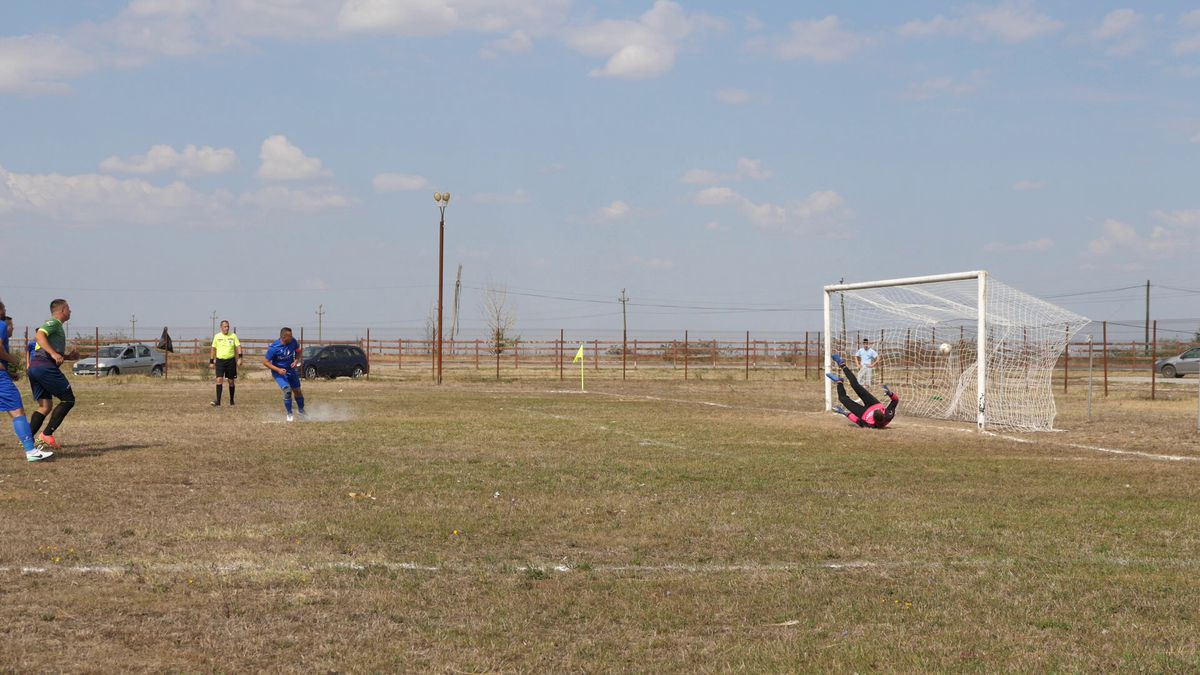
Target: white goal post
954,346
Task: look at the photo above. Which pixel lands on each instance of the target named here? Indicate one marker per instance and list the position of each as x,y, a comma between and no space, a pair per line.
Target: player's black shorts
227,368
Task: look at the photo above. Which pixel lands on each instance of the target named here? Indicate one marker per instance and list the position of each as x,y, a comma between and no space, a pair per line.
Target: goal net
954,346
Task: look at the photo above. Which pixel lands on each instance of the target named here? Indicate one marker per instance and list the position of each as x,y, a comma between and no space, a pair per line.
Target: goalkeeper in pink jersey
869,413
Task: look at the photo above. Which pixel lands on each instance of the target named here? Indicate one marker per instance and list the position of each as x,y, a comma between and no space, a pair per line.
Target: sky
167,159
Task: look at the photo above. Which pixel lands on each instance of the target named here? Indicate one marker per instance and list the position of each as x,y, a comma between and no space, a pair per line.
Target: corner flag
580,360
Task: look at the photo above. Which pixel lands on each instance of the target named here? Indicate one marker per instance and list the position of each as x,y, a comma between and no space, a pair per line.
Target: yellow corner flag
579,359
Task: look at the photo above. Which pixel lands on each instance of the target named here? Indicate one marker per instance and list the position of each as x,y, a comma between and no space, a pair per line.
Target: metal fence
1128,364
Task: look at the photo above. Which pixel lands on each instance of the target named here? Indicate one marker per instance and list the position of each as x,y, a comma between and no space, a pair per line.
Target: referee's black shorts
227,368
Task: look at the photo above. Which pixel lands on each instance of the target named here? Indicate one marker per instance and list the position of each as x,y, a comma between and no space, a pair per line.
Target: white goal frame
981,338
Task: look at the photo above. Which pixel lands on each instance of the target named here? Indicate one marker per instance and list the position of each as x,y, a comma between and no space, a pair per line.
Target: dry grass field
651,525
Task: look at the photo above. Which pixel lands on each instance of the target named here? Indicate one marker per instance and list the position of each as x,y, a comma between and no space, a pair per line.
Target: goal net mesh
925,335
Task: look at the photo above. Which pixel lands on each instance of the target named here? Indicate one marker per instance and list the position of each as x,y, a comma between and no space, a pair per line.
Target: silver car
1178,366
127,359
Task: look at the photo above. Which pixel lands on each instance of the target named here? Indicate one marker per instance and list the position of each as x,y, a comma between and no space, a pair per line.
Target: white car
129,359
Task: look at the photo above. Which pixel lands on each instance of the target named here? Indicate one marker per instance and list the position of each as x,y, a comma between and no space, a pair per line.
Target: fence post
1153,358
399,353
596,358
97,352
476,353
635,353
806,355
1090,378
747,355
1067,359
368,354
516,354
562,335
497,350
685,355
1104,328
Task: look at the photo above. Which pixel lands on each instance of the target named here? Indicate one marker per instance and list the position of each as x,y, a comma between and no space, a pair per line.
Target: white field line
642,440
241,568
912,423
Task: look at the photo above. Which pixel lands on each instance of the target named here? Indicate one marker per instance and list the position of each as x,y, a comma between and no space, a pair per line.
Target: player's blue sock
300,404
24,432
287,405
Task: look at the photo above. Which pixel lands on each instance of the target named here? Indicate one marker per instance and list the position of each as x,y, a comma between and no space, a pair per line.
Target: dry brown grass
518,526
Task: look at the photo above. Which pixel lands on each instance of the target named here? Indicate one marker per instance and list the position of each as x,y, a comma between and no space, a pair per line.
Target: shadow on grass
96,451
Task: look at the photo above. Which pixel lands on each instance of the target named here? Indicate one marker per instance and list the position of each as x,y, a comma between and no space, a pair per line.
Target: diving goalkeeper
869,413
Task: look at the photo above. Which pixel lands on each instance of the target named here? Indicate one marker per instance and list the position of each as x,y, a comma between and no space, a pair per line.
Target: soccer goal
955,346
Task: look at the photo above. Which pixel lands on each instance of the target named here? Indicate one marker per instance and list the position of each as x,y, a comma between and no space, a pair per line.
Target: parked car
335,360
129,359
1178,366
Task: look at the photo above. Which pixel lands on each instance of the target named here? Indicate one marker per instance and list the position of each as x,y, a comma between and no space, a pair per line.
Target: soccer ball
944,348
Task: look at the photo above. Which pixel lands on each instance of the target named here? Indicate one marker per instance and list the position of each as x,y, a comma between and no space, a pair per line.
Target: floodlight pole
443,200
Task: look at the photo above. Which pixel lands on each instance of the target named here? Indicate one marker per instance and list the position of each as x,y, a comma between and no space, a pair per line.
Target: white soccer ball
944,348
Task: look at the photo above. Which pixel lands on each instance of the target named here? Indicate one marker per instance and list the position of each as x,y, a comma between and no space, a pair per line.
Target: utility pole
133,326
214,322
320,324
457,294
1147,316
624,300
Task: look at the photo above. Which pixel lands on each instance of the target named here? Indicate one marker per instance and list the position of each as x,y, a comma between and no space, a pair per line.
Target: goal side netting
930,334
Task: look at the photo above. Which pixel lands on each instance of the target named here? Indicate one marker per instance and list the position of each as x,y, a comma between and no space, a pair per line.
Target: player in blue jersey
283,360
10,397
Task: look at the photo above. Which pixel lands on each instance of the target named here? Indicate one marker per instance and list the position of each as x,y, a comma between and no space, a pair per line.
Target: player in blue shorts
282,359
10,397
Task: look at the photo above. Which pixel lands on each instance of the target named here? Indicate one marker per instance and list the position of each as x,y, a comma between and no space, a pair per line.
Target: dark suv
334,360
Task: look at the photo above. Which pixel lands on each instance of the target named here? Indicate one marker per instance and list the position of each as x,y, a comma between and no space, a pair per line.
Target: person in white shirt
867,360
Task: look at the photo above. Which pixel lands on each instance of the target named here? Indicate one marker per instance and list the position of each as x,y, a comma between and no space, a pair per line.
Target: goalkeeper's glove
887,391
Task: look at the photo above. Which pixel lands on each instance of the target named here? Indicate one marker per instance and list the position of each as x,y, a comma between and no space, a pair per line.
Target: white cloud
1189,218
518,42
402,17
283,161
732,96
40,64
699,177
399,182
1010,21
751,169
1120,31
1196,138
1029,185
818,211
1124,245
644,48
1031,246
437,17
615,210
283,198
822,41
718,196
518,197
944,86
1191,43
659,264
747,169
96,199
190,162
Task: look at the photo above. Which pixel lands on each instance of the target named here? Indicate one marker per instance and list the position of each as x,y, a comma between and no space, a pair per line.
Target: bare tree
498,316
431,324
